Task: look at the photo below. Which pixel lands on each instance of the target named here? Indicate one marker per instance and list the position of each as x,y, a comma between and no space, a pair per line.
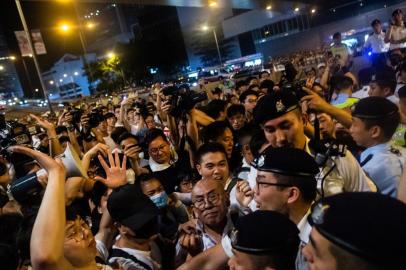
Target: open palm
115,173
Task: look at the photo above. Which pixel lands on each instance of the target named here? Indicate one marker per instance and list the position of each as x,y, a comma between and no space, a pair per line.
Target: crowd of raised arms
299,167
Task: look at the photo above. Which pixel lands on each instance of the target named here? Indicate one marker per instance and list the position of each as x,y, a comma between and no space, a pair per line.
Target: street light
12,57
268,7
64,27
65,75
51,82
76,73
1,68
205,28
90,25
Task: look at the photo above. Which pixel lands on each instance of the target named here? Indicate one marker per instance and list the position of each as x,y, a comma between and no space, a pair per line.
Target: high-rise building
9,82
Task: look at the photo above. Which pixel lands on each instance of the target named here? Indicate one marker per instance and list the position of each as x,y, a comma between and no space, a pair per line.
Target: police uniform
378,45
340,173
368,225
265,233
294,163
382,162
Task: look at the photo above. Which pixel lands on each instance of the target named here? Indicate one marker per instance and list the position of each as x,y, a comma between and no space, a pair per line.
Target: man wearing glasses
210,206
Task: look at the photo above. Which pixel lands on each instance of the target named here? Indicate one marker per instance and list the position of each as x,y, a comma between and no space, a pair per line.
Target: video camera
182,99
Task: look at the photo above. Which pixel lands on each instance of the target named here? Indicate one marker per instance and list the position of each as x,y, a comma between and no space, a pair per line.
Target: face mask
160,199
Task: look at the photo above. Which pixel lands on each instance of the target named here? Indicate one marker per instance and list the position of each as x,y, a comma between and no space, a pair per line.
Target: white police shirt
304,233
377,43
384,164
342,174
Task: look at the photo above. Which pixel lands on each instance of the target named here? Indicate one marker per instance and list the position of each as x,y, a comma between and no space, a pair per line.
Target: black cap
287,161
275,105
375,22
374,108
368,225
264,232
402,92
130,207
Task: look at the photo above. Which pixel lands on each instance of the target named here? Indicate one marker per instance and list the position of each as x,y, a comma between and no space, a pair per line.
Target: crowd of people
287,170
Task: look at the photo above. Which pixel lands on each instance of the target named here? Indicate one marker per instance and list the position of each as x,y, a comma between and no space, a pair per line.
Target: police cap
287,161
265,232
368,225
374,108
275,105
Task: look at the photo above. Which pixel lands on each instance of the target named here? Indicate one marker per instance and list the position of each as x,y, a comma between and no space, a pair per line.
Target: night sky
44,16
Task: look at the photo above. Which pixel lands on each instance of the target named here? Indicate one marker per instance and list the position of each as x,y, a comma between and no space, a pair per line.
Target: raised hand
244,194
43,123
115,174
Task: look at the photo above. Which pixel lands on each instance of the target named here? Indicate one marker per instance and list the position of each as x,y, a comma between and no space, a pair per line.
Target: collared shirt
344,174
304,233
384,164
377,43
207,240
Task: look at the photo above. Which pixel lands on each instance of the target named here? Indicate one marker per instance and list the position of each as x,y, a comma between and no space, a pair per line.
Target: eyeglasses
77,232
212,198
155,151
266,185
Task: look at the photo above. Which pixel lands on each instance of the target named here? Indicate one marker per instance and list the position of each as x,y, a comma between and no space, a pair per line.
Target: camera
296,87
182,99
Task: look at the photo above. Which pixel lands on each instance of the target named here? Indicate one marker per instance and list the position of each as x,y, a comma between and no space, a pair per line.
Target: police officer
375,120
264,240
286,183
363,231
279,115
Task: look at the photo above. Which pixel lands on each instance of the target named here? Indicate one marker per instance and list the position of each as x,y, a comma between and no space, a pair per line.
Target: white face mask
141,155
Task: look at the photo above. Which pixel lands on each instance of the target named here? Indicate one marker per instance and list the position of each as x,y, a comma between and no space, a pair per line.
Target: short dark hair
396,12
206,148
387,124
117,133
375,22
268,84
336,35
215,107
247,93
306,185
348,261
249,79
258,139
109,115
154,133
214,130
341,82
235,109
60,129
240,84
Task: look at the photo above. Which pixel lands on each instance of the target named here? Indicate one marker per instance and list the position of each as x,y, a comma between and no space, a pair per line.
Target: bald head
203,187
210,202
